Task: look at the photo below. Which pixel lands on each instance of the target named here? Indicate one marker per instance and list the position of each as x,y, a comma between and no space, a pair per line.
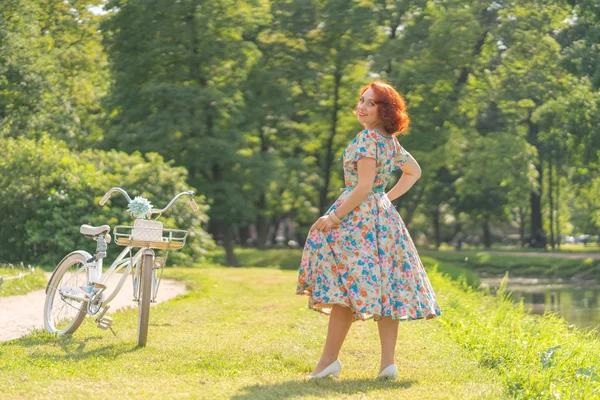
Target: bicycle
78,287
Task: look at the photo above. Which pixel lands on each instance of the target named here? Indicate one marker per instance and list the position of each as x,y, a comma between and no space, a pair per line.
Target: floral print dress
369,262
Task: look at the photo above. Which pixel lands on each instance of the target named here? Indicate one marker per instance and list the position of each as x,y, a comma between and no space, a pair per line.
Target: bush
49,191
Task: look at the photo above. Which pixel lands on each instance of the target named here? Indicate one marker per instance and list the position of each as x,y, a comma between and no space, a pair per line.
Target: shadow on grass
320,388
73,349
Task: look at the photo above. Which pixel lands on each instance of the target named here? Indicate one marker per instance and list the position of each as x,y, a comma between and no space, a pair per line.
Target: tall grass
536,356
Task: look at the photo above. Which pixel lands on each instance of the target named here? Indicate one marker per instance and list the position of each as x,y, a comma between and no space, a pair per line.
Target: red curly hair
392,107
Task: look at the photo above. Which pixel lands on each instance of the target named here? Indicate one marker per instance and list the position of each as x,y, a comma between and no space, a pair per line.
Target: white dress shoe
389,372
333,369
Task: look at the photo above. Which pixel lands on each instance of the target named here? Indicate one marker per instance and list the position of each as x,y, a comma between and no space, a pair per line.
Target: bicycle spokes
70,297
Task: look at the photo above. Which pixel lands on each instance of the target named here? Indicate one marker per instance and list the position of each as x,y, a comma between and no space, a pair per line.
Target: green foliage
177,71
49,191
254,98
53,70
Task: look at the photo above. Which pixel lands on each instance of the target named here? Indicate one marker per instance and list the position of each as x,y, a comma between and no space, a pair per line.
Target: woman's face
367,113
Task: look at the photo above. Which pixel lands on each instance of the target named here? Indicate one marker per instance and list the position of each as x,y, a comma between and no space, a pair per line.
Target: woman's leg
340,321
388,333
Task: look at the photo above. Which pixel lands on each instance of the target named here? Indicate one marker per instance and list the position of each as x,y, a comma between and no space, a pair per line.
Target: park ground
242,333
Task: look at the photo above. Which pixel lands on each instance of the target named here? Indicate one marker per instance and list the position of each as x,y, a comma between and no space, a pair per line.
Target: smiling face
367,109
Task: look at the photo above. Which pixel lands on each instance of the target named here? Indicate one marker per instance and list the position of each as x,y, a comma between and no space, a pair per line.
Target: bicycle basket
147,233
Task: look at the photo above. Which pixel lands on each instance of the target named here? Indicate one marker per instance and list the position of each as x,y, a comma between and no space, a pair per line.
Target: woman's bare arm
411,174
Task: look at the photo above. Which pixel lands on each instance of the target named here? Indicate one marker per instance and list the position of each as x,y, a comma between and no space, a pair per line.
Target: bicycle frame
95,272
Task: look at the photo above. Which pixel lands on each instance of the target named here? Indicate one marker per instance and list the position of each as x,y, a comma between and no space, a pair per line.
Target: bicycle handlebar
190,193
110,192
192,203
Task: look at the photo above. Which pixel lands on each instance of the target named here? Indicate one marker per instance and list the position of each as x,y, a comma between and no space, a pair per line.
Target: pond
578,303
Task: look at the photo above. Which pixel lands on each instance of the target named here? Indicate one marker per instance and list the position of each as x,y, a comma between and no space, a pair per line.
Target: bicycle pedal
104,323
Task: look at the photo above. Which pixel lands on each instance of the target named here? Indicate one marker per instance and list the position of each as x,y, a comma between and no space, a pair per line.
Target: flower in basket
140,207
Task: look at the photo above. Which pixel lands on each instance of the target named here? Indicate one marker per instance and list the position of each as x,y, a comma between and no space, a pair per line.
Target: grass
271,258
592,247
537,357
23,285
242,334
481,261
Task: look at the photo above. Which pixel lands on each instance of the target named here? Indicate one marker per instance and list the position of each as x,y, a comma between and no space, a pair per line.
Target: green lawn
243,334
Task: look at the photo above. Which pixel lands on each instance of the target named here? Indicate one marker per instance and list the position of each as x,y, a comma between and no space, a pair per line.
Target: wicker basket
151,234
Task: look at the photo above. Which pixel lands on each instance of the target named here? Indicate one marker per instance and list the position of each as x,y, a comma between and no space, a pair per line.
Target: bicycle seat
88,230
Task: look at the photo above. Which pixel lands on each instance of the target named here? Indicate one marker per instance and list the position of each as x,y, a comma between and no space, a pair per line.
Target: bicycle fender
83,253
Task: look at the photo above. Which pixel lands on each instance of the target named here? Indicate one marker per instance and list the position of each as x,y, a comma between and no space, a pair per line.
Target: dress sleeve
365,146
400,158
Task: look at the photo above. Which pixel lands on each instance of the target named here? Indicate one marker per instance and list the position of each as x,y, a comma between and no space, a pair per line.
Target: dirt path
19,315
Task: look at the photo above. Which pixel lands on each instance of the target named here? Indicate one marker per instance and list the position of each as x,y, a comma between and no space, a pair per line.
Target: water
578,303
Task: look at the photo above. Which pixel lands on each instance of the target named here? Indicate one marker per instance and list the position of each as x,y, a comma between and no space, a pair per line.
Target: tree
177,72
52,71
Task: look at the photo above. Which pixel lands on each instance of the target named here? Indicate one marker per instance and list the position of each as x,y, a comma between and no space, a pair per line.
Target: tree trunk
328,162
522,217
274,228
262,223
558,199
551,200
231,259
487,236
436,226
458,236
535,197
244,232
213,230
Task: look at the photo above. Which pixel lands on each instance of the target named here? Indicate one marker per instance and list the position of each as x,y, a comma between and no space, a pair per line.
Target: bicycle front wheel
63,315
147,264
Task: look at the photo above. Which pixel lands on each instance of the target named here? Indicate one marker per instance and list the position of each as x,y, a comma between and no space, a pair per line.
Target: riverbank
556,265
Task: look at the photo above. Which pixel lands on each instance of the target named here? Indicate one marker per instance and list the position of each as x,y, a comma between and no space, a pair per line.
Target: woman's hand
324,224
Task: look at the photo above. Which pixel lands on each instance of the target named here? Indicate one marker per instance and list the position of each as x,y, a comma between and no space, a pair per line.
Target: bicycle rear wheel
64,315
147,265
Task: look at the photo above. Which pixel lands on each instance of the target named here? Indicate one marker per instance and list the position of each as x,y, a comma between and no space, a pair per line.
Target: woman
359,261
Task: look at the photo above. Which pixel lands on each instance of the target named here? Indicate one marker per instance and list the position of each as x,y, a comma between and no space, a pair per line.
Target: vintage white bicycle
78,287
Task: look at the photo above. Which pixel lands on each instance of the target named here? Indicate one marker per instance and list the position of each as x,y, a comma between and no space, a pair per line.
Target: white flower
140,207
